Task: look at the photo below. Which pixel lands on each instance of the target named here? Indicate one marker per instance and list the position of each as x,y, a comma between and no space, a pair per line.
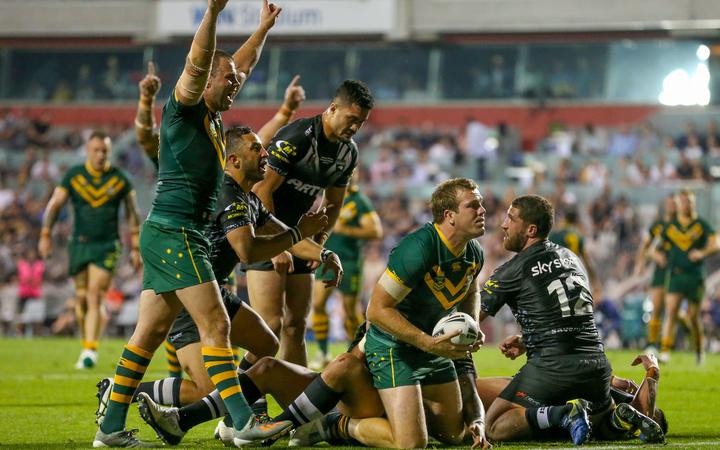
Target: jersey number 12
583,304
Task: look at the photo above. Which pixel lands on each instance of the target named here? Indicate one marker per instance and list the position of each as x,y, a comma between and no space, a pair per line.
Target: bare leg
249,331
266,290
443,407
298,293
506,422
98,284
670,325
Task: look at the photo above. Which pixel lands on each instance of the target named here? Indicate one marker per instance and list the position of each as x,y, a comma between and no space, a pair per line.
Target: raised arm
294,96
189,88
247,56
59,198
146,131
133,220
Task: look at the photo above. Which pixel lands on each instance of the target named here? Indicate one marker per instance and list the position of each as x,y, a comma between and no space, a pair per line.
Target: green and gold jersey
96,197
355,206
191,159
429,276
656,232
570,238
683,239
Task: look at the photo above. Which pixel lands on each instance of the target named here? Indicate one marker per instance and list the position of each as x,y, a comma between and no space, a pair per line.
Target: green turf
45,403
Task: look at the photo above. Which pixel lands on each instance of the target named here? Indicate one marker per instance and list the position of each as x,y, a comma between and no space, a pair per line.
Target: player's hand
136,259
441,346
294,94
332,263
312,222
268,14
45,247
150,84
477,431
283,263
312,265
624,384
695,255
638,270
649,363
660,259
513,346
215,6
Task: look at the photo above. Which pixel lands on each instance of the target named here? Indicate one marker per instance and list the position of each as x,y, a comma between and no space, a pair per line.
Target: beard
514,243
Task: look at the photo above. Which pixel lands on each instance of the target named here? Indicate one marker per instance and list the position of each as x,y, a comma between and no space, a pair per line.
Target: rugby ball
457,321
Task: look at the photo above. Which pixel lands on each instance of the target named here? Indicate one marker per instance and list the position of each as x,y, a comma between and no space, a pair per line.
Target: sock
315,401
546,417
667,344
244,365
128,374
173,365
654,332
236,355
163,392
209,407
90,345
335,428
350,327
221,368
320,326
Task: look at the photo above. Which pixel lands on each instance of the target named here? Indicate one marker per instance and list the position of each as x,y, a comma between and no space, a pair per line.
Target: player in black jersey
567,374
308,158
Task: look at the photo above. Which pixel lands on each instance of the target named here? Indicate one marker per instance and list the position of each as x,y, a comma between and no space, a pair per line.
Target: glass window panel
395,73
565,71
478,71
321,70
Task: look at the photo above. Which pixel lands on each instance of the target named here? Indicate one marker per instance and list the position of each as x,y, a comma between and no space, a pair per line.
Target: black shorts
185,332
550,381
300,266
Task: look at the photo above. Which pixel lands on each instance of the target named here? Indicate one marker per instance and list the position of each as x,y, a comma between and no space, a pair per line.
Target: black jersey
547,289
301,153
234,209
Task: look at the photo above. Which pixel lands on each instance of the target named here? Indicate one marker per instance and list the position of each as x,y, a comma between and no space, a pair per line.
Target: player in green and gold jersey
568,235
176,254
96,190
657,281
358,222
691,239
430,273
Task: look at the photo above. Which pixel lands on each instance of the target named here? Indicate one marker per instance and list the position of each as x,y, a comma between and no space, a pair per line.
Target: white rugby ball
457,321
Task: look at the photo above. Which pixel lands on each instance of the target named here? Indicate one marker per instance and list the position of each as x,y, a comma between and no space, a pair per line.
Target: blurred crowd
605,174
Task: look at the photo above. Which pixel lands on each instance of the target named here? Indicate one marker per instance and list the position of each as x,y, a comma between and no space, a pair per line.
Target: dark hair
355,92
234,135
445,197
535,210
99,135
661,419
217,56
571,216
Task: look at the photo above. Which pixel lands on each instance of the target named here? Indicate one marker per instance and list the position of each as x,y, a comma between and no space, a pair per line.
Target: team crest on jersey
438,282
456,267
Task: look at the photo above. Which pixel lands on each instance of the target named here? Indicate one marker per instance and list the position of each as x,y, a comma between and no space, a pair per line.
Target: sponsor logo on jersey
557,263
305,188
284,150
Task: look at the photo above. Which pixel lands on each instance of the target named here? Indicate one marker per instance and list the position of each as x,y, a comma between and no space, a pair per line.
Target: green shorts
394,364
352,276
658,277
102,254
691,286
549,381
173,257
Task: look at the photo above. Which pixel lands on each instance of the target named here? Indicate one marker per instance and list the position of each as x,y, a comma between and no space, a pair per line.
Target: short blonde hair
445,197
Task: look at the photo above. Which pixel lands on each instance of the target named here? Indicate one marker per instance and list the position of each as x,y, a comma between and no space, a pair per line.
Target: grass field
45,403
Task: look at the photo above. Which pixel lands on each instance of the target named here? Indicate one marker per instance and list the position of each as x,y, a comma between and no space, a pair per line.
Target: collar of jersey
94,172
447,243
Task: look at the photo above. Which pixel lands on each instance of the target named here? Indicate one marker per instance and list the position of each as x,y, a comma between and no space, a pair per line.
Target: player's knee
295,327
217,329
410,441
344,366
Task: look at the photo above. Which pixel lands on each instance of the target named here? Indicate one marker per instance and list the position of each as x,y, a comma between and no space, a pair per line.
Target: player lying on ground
304,395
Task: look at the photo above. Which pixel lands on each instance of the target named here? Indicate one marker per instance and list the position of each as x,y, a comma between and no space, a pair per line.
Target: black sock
163,392
244,364
208,408
336,425
260,407
546,416
314,402
249,389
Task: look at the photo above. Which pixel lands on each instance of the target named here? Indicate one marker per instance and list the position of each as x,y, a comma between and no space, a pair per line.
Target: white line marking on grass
640,444
149,376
